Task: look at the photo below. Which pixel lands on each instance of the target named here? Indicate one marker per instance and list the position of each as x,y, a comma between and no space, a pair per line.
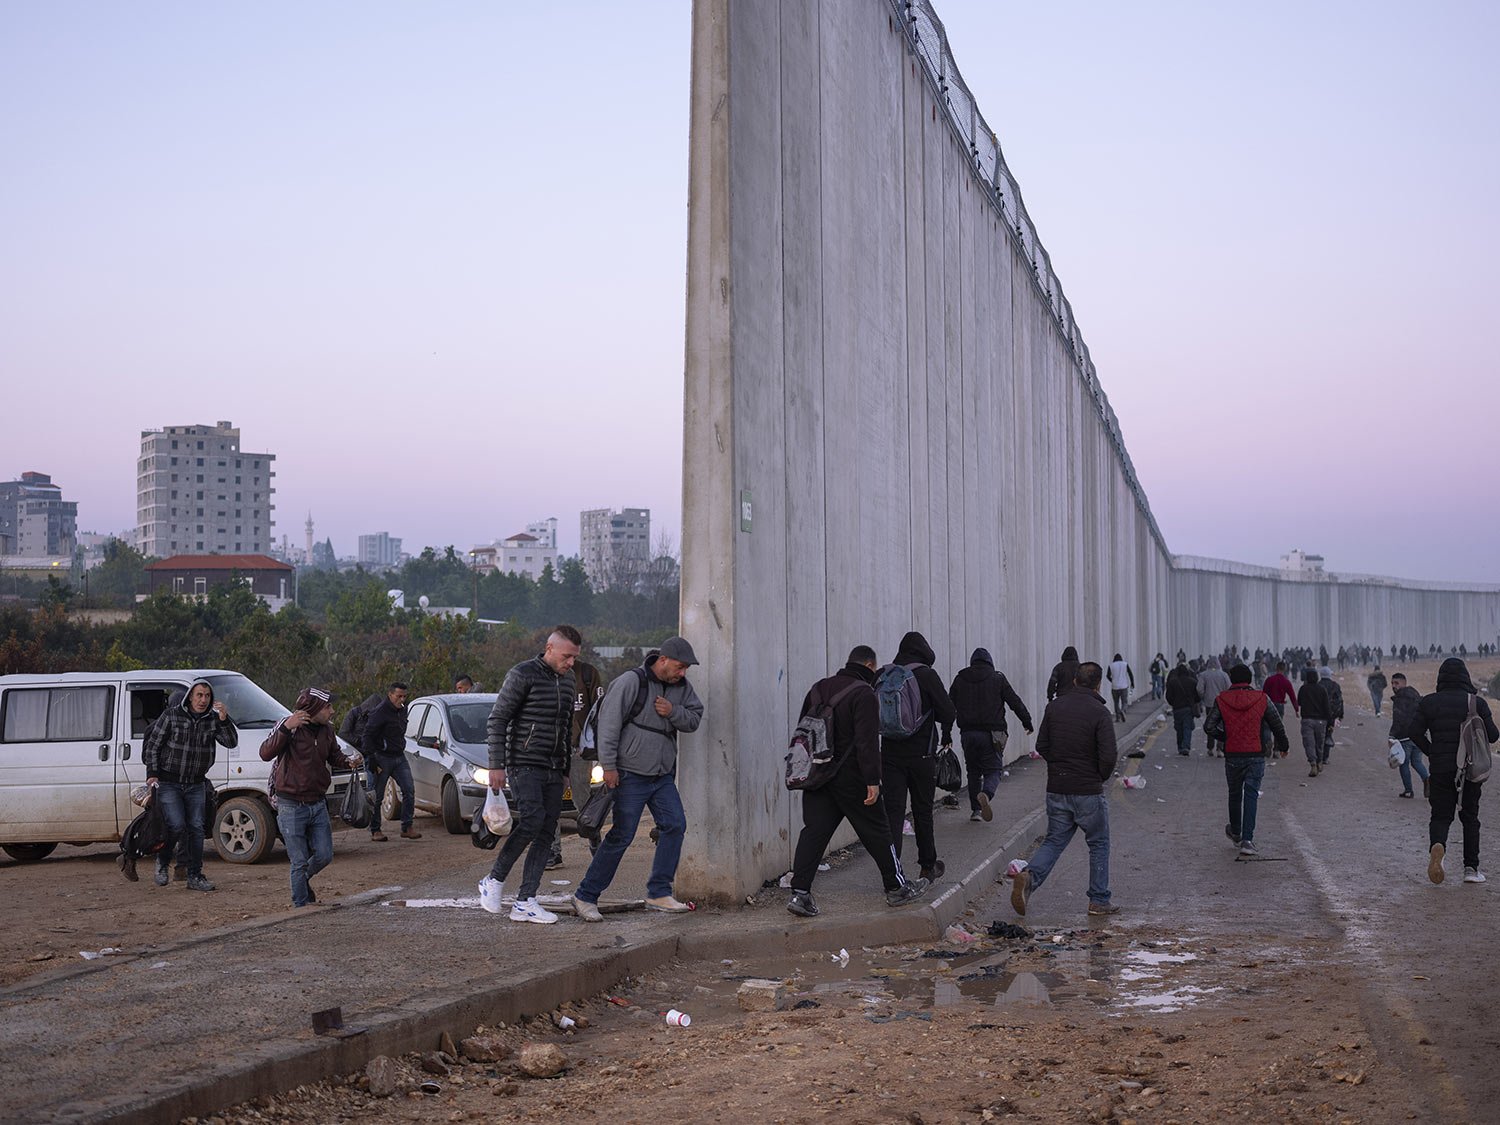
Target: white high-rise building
615,545
199,493
545,532
379,550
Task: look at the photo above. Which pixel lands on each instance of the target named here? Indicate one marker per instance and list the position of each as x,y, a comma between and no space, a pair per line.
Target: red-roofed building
192,576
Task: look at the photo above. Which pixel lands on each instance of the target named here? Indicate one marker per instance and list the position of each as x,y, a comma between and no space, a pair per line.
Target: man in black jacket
980,695
1183,698
907,764
1077,740
851,794
1435,729
530,741
1404,702
384,746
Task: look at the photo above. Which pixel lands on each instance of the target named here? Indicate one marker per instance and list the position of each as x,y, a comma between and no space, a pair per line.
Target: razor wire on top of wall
929,42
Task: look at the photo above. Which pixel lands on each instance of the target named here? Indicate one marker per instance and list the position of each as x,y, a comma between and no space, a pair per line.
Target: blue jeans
182,808
308,834
1067,814
380,772
1158,685
536,800
1244,772
1183,718
637,792
1413,761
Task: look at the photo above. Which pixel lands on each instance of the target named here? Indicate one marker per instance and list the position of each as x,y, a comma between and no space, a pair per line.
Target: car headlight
596,775
480,775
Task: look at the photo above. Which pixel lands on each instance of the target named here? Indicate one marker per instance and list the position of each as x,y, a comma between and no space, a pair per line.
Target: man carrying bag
853,792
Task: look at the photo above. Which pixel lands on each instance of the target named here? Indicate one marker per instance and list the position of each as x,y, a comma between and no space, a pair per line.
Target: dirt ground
77,900
1054,1027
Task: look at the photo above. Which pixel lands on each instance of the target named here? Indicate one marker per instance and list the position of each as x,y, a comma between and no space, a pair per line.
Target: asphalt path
1341,884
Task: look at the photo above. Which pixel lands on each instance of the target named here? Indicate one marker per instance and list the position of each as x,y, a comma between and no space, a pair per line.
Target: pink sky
433,257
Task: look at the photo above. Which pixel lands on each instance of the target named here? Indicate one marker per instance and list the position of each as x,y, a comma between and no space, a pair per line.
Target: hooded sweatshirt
1312,700
1063,673
980,695
179,746
936,705
1434,729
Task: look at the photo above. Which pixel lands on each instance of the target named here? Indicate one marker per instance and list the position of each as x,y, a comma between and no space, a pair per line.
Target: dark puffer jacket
1077,738
935,702
1312,699
1404,706
980,695
1435,727
532,720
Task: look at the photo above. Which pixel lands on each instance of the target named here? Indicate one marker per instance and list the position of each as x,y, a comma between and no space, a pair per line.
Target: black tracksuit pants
824,809
911,774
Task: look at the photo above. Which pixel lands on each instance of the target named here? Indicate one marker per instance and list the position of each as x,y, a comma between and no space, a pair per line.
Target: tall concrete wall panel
887,429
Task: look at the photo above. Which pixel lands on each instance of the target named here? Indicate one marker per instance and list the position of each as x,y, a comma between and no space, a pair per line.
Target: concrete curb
278,1067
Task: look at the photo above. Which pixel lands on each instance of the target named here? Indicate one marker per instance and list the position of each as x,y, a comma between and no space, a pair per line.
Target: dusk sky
432,256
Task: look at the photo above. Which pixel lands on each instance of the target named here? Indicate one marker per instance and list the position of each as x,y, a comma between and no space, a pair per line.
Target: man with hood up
1235,721
305,750
179,751
1335,696
1312,705
908,767
1435,730
980,695
1063,672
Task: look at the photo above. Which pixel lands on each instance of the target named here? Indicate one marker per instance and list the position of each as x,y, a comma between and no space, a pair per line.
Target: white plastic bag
497,814
1398,753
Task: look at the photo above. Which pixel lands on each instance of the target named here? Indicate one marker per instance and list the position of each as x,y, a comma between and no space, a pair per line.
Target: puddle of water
1151,957
426,903
1173,1000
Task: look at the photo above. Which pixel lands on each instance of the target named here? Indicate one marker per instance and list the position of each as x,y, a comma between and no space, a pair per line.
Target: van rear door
58,763
144,701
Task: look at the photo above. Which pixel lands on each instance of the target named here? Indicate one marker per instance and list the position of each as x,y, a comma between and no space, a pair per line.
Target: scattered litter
619,1001
678,1019
566,1023
1161,767
1133,782
727,961
907,829
95,954
1161,800
824,867
1059,939
957,933
785,883
1136,754
424,903
1015,867
160,965
842,957
803,1004
1009,930
561,882
430,1088
1005,773
901,1015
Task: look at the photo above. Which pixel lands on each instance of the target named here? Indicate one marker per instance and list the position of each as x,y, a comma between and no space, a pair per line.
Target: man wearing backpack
980,695
1436,729
909,691
852,793
1077,740
638,751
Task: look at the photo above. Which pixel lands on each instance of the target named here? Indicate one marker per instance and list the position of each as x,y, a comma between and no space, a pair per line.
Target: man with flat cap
640,717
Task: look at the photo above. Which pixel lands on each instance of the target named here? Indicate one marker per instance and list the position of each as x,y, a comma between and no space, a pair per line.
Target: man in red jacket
1235,719
1280,689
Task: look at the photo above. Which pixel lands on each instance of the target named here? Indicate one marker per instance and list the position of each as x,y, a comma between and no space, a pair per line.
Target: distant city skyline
450,295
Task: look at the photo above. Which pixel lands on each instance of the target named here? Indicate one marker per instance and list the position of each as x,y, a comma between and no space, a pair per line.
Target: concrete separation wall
892,421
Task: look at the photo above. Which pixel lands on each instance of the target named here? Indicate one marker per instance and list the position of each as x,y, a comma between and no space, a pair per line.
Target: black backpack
588,739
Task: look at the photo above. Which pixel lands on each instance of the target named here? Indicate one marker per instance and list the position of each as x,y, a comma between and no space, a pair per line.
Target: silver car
446,747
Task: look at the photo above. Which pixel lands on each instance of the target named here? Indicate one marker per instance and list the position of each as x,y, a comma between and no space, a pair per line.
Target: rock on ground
542,1060
384,1074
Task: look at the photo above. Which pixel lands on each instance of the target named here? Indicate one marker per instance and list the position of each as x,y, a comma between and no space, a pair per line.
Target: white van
70,752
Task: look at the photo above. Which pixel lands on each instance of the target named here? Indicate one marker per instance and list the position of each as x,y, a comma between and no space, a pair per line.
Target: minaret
307,561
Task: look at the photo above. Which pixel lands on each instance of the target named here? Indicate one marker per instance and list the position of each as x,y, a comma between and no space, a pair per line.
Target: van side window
83,714
146,704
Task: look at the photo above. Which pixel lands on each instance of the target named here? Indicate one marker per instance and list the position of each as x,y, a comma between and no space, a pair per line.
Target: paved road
1342,884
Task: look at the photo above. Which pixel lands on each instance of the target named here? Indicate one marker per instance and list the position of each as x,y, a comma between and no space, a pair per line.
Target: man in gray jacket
1212,680
640,717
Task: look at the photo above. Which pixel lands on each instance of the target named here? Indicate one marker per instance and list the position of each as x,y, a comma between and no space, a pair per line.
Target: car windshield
249,707
469,722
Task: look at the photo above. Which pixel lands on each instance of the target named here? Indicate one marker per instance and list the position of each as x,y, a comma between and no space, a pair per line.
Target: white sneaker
491,891
526,910
1473,875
